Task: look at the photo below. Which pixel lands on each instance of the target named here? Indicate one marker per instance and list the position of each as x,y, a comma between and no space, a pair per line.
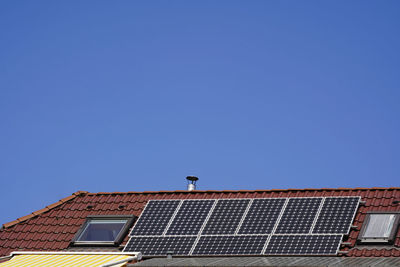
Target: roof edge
247,191
46,209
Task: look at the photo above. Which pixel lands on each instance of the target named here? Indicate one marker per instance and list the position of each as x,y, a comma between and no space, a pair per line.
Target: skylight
379,227
103,230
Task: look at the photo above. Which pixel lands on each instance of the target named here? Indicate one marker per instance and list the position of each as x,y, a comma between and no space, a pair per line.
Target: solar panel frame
317,215
202,227
172,217
276,225
244,216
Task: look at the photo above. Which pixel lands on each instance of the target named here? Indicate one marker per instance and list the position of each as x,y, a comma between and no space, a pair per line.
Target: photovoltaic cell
336,215
262,216
303,245
230,245
155,217
226,216
298,216
153,246
190,217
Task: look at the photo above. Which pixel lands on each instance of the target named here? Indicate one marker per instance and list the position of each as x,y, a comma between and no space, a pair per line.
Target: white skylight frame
383,233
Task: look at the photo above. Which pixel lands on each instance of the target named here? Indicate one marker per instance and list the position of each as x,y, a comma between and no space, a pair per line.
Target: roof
269,261
53,228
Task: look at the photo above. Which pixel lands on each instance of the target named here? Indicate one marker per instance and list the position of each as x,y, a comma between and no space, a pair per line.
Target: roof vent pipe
169,255
191,182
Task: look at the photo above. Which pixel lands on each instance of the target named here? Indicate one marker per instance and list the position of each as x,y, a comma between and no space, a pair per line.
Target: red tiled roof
53,227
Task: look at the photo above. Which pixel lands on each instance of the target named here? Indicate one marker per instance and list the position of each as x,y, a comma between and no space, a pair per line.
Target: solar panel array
263,226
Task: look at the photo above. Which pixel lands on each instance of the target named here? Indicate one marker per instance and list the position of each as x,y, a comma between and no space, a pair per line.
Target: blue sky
136,95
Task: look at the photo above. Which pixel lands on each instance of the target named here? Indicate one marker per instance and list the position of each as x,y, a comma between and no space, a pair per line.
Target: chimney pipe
191,182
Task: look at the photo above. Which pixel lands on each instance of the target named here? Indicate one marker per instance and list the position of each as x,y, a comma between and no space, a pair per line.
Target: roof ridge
244,191
46,209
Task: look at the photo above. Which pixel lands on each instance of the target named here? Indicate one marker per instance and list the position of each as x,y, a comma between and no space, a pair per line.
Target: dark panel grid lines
156,246
336,215
190,217
230,245
155,217
298,216
303,245
262,216
226,216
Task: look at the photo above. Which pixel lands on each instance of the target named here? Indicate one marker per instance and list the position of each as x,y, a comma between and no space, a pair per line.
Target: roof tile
6,225
51,206
40,211
27,217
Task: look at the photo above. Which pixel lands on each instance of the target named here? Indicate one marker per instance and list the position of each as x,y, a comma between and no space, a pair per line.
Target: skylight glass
379,226
102,230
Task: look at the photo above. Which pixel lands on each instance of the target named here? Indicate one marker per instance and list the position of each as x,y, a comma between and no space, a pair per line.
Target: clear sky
136,95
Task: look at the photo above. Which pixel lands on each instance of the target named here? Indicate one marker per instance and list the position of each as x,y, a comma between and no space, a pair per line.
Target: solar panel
226,216
262,216
303,245
190,217
230,245
153,246
155,217
298,216
270,226
336,215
